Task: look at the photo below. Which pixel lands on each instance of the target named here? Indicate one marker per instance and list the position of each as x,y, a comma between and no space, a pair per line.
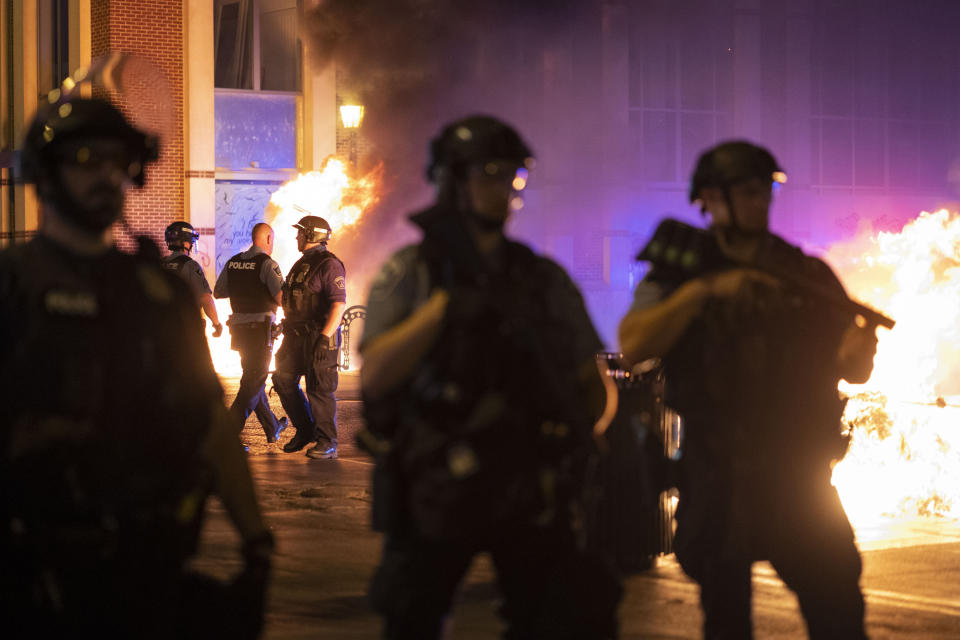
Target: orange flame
904,457
331,193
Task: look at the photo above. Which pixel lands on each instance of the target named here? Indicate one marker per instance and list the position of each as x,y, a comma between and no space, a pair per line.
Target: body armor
175,262
246,291
300,305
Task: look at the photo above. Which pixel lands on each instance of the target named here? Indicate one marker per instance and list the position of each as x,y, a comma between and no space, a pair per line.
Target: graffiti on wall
240,205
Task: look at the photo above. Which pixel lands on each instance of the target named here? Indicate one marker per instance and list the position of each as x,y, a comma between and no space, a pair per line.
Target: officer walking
314,296
752,363
253,282
101,500
180,238
481,389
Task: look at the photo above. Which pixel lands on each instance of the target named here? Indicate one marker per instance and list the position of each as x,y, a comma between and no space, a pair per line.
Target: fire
331,193
226,361
904,457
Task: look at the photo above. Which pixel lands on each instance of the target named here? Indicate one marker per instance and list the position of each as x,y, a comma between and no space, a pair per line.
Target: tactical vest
498,375
300,305
107,405
175,262
764,372
247,292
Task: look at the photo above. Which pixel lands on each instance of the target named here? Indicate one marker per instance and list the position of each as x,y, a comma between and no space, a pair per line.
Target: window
256,45
882,113
681,89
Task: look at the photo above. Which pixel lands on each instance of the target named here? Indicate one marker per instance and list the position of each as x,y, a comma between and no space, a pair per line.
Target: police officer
752,364
180,238
253,282
480,390
314,296
100,500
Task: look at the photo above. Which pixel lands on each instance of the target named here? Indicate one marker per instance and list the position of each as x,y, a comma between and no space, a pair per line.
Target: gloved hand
217,329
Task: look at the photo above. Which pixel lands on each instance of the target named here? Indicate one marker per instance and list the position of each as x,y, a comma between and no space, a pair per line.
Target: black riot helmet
79,131
731,162
60,122
472,141
315,229
179,232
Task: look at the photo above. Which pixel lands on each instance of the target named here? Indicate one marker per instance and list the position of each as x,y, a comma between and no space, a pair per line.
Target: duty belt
300,330
248,325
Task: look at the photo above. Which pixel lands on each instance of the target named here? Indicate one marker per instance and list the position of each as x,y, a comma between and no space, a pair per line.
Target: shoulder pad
679,246
330,255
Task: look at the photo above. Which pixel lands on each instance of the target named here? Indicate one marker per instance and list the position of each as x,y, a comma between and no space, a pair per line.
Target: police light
520,179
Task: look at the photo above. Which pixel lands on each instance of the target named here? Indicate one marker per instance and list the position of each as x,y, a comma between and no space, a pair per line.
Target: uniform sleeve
271,276
330,281
196,279
647,294
392,294
221,288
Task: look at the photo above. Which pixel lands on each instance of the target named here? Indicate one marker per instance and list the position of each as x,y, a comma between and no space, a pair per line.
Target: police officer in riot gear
314,296
752,364
481,389
100,501
253,282
180,238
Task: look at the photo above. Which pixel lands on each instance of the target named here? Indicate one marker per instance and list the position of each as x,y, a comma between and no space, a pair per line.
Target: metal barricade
357,311
631,503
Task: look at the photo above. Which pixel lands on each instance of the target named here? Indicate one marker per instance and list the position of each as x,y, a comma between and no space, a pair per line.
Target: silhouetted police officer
752,364
480,390
253,282
314,296
114,429
180,238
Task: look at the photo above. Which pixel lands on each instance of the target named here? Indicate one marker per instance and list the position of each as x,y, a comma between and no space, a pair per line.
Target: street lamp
351,115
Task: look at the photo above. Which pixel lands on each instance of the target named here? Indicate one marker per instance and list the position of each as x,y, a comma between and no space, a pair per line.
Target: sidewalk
319,511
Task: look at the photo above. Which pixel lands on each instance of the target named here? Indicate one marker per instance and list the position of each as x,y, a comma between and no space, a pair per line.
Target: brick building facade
153,30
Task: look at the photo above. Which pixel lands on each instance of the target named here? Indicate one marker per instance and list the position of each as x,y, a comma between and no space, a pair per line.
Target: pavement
319,511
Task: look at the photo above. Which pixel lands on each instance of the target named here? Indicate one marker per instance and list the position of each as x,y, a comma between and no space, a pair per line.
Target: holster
250,333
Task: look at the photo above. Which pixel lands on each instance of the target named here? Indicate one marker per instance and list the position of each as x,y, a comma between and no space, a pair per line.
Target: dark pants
304,353
549,588
802,530
253,343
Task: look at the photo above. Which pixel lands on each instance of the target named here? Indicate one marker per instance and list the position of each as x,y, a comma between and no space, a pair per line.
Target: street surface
319,512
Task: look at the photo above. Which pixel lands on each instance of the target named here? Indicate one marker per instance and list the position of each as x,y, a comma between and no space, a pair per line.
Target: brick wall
152,30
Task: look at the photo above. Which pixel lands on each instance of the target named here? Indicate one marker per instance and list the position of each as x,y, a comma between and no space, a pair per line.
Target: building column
317,135
6,133
198,129
79,38
23,210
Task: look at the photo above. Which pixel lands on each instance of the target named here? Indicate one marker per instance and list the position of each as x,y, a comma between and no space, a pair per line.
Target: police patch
339,282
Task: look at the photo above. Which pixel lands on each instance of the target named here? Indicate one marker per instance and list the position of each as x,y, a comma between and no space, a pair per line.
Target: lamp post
351,115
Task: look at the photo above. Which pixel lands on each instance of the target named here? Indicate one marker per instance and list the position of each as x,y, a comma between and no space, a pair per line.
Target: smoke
416,64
